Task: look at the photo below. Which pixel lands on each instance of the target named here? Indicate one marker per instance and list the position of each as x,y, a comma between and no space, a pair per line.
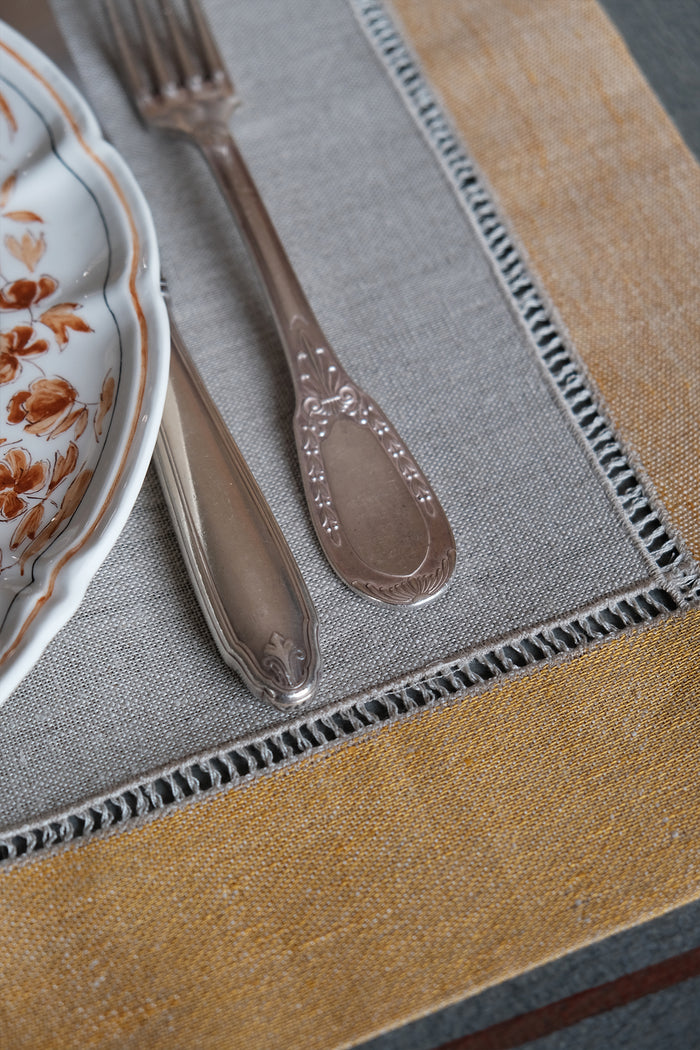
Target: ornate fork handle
376,516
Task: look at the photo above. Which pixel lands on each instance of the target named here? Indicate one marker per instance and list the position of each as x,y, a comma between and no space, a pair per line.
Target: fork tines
178,46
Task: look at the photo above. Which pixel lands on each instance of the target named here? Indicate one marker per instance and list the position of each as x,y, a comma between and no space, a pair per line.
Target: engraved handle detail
376,517
244,575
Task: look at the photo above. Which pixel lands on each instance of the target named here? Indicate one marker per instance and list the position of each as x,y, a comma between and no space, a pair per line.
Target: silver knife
245,577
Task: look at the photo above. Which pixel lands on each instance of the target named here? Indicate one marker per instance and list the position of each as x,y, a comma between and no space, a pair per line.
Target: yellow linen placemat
380,880
439,853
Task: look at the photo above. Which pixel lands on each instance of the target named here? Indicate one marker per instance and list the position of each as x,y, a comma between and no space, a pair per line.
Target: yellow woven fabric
430,858
379,880
603,194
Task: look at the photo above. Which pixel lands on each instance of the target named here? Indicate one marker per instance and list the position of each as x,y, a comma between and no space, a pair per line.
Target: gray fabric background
406,295
663,37
667,1020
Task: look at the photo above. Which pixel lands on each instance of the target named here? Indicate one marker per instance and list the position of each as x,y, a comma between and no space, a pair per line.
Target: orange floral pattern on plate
39,493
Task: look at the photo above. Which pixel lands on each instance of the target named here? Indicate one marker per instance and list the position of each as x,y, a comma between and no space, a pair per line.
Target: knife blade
236,555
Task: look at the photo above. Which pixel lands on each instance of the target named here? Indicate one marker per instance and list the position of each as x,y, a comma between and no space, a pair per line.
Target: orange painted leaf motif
23,216
81,423
18,476
7,188
27,476
9,367
29,250
15,409
63,465
11,504
13,463
71,501
45,407
19,295
15,344
8,114
16,341
78,418
106,399
60,318
28,526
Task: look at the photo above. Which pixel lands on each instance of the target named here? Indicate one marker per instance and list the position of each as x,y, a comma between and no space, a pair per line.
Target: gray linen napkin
409,295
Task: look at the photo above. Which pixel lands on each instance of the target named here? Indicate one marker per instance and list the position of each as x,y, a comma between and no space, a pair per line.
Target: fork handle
245,577
286,297
378,520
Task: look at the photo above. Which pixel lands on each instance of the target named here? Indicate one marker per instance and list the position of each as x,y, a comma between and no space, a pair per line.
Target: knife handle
244,575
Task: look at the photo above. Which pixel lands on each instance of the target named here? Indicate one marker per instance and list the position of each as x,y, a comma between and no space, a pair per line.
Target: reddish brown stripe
575,1008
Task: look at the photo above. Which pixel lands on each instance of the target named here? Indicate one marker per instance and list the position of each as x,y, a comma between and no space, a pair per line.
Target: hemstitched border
566,373
342,722
677,588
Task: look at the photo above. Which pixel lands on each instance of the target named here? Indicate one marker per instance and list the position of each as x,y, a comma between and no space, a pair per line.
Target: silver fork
376,516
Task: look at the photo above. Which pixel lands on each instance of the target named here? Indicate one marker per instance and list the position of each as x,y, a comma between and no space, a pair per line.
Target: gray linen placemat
408,295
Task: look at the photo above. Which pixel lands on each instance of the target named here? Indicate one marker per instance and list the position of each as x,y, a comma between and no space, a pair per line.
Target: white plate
83,355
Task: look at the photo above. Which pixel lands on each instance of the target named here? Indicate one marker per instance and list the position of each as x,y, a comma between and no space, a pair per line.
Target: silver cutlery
245,577
376,517
247,582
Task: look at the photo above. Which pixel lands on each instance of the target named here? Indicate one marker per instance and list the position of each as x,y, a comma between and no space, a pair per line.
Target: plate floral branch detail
39,491
84,347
